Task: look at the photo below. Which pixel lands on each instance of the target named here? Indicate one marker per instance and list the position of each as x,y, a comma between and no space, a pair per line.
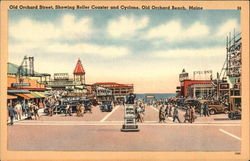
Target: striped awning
40,94
35,95
14,91
25,96
9,97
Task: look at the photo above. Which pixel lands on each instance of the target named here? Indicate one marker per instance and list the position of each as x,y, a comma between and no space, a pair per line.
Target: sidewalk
40,113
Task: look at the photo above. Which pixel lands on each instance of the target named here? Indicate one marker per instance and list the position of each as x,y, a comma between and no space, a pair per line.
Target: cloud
174,31
126,26
191,52
68,28
104,51
227,27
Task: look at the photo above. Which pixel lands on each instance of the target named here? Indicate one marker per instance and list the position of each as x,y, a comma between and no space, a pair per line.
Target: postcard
124,80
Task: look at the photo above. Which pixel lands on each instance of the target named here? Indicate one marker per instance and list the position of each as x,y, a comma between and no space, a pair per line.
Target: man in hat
175,114
11,112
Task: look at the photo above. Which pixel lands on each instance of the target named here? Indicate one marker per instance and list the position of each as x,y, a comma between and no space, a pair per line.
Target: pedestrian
18,111
201,109
175,114
82,109
140,114
170,109
11,112
35,109
68,110
187,115
162,114
78,110
192,113
166,111
206,111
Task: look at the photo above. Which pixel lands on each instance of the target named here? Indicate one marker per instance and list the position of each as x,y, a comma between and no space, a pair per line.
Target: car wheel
212,112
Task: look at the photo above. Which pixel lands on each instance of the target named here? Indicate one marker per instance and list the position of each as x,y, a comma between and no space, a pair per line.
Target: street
100,131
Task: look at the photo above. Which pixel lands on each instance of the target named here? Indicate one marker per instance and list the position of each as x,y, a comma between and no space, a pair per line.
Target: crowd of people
167,108
24,109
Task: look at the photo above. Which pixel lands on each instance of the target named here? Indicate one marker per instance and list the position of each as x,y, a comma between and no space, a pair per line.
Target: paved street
101,131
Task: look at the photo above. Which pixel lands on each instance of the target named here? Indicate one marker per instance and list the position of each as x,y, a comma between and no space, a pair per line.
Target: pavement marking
236,137
109,114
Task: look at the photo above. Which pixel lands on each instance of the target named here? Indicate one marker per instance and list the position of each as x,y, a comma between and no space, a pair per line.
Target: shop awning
9,97
25,96
39,94
15,91
35,95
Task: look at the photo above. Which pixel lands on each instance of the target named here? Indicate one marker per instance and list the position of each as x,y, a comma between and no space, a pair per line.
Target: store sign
183,76
19,84
202,75
224,86
61,76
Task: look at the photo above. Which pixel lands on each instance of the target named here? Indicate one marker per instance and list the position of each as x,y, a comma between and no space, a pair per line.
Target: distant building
75,86
79,73
119,91
194,88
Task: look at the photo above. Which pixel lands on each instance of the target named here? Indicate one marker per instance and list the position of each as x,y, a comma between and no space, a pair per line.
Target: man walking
175,114
201,109
162,114
11,112
18,109
206,111
68,110
192,112
187,115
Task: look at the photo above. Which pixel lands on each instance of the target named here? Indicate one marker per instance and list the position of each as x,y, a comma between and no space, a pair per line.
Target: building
25,90
79,73
75,86
194,88
119,91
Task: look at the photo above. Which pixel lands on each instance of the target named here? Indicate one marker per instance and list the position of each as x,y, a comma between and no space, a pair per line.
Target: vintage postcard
124,80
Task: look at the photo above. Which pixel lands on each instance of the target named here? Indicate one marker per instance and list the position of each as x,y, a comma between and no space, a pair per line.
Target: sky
147,48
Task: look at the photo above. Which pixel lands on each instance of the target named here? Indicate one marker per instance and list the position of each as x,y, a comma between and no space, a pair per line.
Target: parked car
180,102
106,106
191,102
213,107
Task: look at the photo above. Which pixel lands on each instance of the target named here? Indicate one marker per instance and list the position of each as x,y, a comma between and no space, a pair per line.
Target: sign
150,96
61,76
224,86
203,75
19,84
183,76
129,119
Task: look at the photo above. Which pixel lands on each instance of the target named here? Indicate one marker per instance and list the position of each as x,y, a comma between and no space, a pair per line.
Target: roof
79,68
112,84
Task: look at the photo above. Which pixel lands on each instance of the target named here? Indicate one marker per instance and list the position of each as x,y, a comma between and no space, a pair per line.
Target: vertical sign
129,119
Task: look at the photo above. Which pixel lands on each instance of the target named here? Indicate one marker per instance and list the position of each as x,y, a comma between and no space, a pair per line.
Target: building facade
119,91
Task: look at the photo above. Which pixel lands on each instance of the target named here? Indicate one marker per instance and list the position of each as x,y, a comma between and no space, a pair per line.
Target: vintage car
180,102
234,107
213,107
106,106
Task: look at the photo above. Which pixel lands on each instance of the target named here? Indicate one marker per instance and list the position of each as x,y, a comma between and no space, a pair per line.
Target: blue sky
148,48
